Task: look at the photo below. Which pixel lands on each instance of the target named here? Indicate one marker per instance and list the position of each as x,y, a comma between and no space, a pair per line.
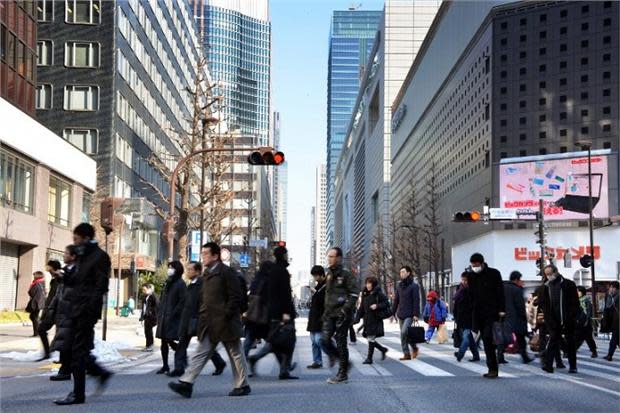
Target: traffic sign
244,260
502,213
258,243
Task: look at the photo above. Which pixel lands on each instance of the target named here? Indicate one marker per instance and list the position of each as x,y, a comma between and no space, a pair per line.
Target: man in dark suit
219,320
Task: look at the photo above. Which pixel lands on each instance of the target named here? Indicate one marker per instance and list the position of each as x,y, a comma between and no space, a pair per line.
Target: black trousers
44,326
148,334
180,355
65,362
613,343
81,359
165,345
490,349
585,334
352,336
34,317
337,327
555,342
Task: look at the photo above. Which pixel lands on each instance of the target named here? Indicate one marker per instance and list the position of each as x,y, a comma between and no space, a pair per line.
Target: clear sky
300,34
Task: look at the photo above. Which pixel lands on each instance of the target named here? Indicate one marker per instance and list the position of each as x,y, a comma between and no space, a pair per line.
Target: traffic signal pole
591,225
540,217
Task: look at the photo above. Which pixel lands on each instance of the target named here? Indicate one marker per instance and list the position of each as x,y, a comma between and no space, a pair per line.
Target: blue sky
300,33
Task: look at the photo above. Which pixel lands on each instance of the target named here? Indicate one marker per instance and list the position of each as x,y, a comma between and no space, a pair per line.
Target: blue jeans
429,333
404,340
315,337
467,341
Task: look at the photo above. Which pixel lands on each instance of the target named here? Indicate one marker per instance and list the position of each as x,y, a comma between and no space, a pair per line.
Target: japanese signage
562,183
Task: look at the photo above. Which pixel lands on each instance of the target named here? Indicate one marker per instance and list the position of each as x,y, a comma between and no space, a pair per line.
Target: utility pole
540,217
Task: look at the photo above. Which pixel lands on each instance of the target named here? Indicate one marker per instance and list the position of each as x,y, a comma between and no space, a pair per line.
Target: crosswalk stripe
598,365
366,369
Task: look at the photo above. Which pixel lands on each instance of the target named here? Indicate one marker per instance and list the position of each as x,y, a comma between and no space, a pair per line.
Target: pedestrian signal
266,156
586,261
466,216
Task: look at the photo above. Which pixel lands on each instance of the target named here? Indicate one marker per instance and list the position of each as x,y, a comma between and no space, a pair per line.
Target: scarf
36,281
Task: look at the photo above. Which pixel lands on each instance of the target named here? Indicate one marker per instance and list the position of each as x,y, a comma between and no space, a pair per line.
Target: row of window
75,97
76,54
503,107
542,18
17,186
543,151
76,11
16,54
583,96
585,130
563,47
542,35
606,58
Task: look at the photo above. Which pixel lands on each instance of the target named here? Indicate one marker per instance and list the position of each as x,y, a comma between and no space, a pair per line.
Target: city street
433,382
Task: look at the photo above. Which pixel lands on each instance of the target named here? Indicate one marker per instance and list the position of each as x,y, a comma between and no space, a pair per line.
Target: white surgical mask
170,272
476,269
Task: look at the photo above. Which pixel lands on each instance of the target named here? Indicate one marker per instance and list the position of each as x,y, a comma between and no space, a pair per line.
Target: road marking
366,369
598,365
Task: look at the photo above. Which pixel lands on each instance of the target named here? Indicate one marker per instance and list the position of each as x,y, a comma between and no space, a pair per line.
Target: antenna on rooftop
354,6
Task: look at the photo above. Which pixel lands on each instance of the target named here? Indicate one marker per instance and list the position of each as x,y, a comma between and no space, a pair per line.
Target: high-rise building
351,38
18,56
112,80
237,43
279,181
319,235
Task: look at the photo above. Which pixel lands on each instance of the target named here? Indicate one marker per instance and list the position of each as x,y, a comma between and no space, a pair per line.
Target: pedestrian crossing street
434,361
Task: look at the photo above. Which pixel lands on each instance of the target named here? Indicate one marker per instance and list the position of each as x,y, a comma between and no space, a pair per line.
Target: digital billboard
560,181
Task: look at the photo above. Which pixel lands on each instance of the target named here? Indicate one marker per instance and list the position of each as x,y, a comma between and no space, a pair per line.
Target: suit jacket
149,310
219,316
192,305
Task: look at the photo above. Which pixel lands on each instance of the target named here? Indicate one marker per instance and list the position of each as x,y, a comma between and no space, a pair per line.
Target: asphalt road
433,383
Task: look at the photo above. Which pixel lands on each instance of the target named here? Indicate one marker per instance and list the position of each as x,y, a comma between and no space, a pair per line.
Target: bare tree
381,259
433,222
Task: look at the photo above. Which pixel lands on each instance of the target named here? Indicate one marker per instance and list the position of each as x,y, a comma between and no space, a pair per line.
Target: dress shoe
219,370
44,357
314,366
60,377
70,399
458,356
560,366
607,357
182,388
405,356
527,360
547,369
572,370
473,360
502,361
490,375
240,391
594,355
338,379
148,349
175,373
414,354
367,361
383,353
287,377
163,370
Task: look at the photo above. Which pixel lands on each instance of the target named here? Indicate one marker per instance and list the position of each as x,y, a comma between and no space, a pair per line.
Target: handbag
513,347
415,334
535,343
282,336
502,333
258,313
457,338
442,334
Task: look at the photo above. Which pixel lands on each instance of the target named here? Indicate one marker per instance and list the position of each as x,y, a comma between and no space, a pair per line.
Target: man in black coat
487,292
89,284
315,317
48,315
148,315
169,312
463,318
559,304
515,314
188,326
406,308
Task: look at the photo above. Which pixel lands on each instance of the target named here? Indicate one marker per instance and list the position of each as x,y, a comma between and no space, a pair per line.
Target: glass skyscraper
350,42
237,40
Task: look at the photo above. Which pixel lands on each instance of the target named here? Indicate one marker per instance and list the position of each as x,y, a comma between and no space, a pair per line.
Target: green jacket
341,292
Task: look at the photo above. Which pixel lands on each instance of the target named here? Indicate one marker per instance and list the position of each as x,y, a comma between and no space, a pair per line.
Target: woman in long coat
169,312
374,306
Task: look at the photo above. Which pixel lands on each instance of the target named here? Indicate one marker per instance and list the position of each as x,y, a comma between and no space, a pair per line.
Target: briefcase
415,334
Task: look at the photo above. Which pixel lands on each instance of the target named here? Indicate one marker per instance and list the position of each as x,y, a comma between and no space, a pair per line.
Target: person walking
515,315
317,307
88,284
36,303
259,290
62,317
560,305
487,292
374,306
219,320
406,308
435,314
148,316
169,313
341,293
610,317
463,317
48,314
188,326
584,322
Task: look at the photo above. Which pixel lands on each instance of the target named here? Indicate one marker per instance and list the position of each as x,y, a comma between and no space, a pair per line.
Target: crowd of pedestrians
214,306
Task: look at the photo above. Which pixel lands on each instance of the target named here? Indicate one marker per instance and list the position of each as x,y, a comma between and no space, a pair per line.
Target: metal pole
541,234
118,274
591,227
443,280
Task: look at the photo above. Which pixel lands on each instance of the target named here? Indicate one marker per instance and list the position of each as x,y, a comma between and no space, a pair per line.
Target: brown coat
220,315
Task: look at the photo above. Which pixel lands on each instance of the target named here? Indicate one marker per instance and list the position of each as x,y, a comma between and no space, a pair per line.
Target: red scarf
432,321
36,281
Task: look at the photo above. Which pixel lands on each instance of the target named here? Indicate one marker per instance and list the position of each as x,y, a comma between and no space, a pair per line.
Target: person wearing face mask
559,304
487,293
148,315
169,313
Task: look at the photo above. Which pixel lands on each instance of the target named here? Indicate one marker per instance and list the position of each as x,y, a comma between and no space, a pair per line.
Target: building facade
112,81
319,228
42,197
516,80
351,36
279,177
362,182
18,53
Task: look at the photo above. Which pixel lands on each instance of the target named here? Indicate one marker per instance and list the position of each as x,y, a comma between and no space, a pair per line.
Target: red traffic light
466,216
279,243
266,156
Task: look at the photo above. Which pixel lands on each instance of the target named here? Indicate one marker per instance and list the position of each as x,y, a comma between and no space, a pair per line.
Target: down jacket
373,322
62,309
170,308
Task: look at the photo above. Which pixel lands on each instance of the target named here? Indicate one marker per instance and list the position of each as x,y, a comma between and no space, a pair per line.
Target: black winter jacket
62,309
373,322
189,317
148,313
48,310
515,307
569,306
170,308
317,307
487,292
280,298
463,308
407,299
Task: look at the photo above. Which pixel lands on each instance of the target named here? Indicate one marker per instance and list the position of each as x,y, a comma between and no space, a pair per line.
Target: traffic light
279,243
266,156
586,261
466,216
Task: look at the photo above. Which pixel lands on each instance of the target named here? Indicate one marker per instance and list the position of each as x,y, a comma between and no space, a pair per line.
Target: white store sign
512,250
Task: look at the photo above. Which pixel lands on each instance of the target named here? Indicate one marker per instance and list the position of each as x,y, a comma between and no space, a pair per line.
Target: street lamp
588,146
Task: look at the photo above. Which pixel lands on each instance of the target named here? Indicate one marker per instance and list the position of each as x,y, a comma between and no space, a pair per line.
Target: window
86,204
121,188
563,13
607,4
542,151
81,54
542,68
562,115
83,11
542,101
563,81
562,132
523,71
607,57
584,78
606,145
542,51
45,53
522,87
502,90
522,54
503,107
503,41
584,44
522,137
523,22
606,110
563,149
585,9
606,92
503,58
504,25
45,10
522,153
503,123
543,34
584,113
44,96
542,135
584,27
522,121
16,182
584,61
584,95
563,47
375,207
543,18
83,139
503,155
522,104
124,151
59,202
607,127
606,75
503,139
81,98
584,130
542,118
503,74
562,98
563,64
563,30
542,85
523,38
607,21
606,39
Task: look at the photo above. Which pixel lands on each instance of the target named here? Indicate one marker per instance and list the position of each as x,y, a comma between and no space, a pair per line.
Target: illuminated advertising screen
562,184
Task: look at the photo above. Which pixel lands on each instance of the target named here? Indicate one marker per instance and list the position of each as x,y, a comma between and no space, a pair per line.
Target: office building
522,80
351,36
279,179
319,231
